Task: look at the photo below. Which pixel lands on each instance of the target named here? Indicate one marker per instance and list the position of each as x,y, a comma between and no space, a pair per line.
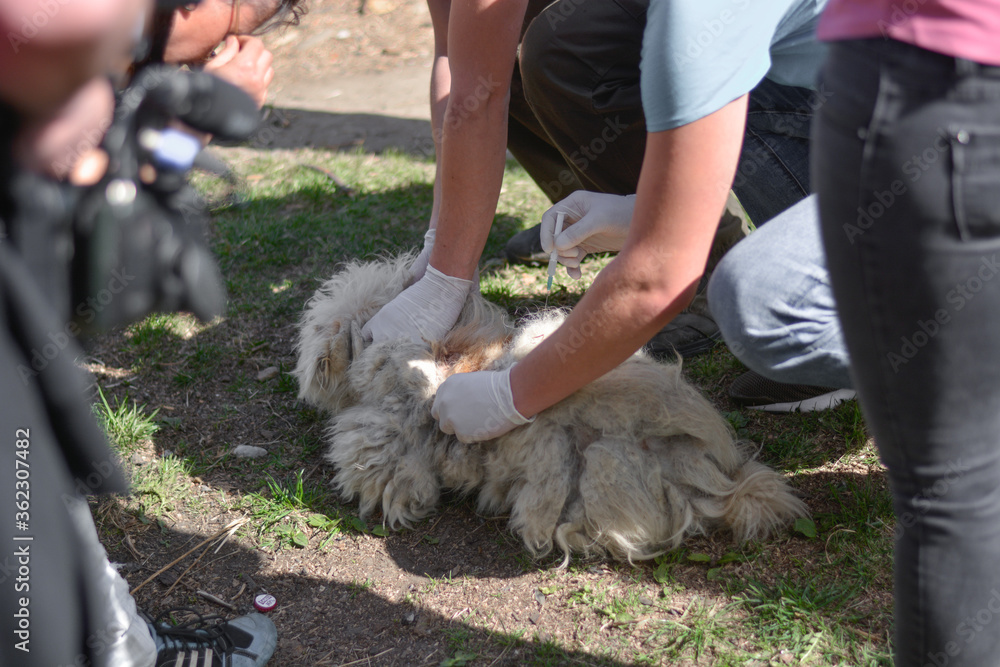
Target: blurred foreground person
60,600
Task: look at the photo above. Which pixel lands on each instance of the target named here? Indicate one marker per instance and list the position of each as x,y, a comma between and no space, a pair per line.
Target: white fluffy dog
629,465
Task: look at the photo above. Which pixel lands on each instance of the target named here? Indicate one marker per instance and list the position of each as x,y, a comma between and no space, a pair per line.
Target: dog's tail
761,503
752,504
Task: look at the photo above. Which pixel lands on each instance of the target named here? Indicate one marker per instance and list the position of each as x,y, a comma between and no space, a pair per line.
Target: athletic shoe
688,335
209,641
752,390
525,247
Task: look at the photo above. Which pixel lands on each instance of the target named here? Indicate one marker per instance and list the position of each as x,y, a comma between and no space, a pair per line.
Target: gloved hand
420,263
594,222
424,311
477,406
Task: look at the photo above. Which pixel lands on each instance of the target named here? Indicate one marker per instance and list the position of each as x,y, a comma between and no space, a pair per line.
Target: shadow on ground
282,128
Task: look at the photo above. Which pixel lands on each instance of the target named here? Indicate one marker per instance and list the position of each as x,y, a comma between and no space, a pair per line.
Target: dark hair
288,14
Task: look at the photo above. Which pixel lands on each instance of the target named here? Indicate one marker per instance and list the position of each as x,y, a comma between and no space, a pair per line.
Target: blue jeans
771,297
907,167
773,172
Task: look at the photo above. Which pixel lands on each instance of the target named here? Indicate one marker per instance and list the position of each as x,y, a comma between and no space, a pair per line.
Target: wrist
450,263
449,284
520,395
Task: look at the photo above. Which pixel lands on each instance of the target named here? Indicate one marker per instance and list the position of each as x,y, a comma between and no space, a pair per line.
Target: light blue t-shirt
700,55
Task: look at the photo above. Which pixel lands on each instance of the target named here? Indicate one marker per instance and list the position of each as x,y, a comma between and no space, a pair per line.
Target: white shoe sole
826,401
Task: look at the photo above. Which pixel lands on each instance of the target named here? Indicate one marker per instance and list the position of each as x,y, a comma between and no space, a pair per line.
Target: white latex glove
594,222
420,263
424,311
477,406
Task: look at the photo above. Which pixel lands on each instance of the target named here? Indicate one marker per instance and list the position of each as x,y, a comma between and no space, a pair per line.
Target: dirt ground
344,78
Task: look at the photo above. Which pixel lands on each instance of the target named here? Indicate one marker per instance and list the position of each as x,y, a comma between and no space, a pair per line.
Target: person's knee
737,305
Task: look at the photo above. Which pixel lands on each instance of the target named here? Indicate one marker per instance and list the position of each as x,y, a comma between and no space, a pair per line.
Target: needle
554,257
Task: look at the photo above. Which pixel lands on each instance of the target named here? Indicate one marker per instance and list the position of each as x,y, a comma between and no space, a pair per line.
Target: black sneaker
209,641
688,335
525,247
753,390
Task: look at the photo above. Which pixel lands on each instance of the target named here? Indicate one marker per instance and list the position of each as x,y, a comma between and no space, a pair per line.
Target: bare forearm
472,164
619,313
686,175
440,89
482,44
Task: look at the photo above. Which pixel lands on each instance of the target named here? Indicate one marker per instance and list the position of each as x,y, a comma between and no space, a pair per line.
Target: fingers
573,236
245,63
229,51
571,258
549,227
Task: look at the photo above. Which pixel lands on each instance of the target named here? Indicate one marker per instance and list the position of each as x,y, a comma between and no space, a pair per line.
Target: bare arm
686,175
481,48
440,89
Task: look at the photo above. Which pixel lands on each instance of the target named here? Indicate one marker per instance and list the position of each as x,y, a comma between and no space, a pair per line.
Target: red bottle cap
265,602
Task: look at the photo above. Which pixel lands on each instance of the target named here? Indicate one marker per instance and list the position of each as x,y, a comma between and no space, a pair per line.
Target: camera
134,243
140,230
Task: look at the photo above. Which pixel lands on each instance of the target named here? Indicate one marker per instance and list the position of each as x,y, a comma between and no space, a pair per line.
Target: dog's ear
345,344
336,357
325,355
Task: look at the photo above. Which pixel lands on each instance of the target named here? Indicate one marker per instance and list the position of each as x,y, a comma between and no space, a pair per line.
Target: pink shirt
967,29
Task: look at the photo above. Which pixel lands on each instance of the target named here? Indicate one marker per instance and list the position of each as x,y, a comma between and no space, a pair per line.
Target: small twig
254,584
231,526
341,185
212,598
502,654
188,569
368,659
130,545
198,559
226,538
826,547
223,557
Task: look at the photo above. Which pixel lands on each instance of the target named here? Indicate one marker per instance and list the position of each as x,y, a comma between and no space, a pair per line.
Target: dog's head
330,330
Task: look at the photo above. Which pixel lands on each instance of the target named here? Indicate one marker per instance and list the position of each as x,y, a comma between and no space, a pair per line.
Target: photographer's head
197,29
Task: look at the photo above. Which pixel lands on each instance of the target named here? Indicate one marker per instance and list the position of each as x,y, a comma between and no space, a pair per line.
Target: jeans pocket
975,181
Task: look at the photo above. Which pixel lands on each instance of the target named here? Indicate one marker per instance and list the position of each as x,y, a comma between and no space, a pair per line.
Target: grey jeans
907,167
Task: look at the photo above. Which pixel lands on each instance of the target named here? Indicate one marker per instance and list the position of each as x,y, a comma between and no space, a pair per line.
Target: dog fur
627,466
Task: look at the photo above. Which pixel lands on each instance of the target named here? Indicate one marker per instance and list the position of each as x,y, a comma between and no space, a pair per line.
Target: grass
127,424
817,596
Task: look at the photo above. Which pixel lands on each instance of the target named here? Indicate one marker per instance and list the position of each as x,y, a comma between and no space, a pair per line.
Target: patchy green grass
128,425
819,595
